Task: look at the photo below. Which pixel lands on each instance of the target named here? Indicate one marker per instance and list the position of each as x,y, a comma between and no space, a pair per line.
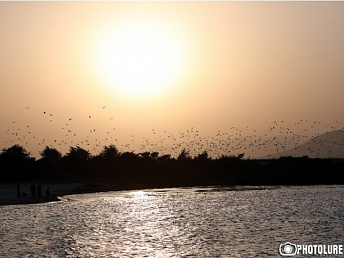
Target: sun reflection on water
139,194
173,223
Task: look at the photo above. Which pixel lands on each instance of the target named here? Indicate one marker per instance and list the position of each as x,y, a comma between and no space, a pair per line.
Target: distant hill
327,145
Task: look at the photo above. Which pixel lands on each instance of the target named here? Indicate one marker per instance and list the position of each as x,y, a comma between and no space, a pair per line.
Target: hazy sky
201,66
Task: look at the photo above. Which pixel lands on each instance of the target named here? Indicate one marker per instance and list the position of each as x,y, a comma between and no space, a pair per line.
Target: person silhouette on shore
47,192
18,191
33,190
39,191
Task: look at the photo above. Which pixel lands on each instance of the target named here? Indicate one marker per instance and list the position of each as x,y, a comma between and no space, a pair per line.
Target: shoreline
61,189
26,200
8,192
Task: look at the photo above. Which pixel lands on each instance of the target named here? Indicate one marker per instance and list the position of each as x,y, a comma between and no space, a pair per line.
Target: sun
140,58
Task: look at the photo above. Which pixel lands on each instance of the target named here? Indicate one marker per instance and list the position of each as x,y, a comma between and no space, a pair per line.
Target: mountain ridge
326,145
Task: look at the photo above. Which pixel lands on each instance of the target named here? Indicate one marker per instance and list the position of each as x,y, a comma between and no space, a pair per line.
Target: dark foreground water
179,222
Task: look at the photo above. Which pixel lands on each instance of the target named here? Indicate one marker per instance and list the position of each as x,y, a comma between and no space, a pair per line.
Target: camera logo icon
287,249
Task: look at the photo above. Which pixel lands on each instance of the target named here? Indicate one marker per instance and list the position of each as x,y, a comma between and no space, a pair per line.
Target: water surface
179,222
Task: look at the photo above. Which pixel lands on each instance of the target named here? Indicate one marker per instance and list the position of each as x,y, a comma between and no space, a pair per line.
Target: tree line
129,170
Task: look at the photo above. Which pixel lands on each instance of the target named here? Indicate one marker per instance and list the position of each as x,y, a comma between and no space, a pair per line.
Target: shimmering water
179,222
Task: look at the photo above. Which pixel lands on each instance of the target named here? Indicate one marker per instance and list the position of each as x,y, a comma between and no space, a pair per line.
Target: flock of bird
74,131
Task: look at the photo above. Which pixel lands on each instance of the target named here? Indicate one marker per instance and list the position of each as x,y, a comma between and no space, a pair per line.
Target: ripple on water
179,222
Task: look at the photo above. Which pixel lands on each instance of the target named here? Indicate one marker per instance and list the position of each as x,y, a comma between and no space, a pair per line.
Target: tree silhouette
165,157
16,164
202,156
50,154
145,155
149,155
109,152
154,155
128,156
78,154
184,155
15,153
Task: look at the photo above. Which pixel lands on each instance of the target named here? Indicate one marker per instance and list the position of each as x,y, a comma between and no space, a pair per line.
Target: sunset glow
140,58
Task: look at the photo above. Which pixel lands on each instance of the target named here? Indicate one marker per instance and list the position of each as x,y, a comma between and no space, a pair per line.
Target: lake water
178,222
